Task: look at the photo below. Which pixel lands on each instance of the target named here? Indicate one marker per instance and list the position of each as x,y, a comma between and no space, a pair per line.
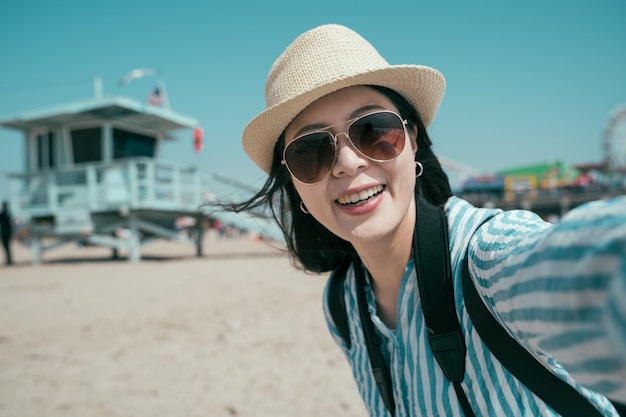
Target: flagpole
144,72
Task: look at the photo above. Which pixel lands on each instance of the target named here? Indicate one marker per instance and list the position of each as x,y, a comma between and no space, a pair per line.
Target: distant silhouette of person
6,231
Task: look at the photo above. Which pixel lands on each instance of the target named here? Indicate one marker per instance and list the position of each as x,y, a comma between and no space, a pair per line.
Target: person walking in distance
6,231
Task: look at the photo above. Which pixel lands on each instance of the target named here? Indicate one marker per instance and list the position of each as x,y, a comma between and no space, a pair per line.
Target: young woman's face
361,200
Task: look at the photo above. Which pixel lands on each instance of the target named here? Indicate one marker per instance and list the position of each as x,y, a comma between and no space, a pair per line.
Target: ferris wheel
614,145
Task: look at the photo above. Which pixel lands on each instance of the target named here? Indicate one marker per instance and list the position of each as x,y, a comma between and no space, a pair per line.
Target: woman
344,141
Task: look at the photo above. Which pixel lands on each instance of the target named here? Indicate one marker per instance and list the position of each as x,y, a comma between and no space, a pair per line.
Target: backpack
446,340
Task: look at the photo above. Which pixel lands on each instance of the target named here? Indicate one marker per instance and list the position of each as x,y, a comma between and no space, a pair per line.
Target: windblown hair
312,246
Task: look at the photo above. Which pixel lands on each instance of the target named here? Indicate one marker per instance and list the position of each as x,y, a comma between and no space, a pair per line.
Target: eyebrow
355,114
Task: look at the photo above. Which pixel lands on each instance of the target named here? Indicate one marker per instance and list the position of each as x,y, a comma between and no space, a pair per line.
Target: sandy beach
238,332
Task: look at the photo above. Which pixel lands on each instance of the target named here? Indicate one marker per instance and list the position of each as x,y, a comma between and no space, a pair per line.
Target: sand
238,332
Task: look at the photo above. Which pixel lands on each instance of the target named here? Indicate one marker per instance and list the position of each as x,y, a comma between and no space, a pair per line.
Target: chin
367,234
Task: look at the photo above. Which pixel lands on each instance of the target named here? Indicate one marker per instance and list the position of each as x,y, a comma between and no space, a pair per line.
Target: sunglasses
378,136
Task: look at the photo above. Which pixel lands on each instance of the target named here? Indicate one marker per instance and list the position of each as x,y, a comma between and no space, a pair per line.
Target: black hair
311,245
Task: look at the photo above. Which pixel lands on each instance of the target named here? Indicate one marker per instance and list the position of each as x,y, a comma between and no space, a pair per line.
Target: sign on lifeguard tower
92,169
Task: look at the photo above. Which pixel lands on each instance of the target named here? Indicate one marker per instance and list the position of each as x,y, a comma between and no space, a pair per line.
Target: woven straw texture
323,60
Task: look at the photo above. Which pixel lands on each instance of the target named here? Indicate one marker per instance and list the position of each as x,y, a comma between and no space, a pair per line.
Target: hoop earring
303,208
421,169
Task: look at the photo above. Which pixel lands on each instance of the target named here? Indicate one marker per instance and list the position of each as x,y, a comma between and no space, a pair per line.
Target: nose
349,160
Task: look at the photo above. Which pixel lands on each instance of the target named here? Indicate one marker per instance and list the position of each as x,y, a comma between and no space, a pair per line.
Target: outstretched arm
561,290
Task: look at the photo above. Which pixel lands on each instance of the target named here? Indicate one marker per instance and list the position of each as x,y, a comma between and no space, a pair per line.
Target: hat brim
421,86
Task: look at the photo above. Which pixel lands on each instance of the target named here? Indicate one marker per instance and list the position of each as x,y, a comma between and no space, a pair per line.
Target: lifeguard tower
93,176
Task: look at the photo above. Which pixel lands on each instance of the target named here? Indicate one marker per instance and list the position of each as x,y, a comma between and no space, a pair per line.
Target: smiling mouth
357,199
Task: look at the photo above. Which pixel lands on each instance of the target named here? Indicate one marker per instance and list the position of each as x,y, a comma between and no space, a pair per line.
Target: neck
386,261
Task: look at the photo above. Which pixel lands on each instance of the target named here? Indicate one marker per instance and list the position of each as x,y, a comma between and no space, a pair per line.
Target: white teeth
361,196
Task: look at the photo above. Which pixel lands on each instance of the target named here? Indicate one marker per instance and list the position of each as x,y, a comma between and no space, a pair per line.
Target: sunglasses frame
336,146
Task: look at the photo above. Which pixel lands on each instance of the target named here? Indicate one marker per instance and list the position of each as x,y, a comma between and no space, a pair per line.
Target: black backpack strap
434,279
620,407
338,312
380,371
555,392
337,303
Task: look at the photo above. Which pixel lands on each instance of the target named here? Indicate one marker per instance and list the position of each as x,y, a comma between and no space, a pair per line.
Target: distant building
550,189
93,175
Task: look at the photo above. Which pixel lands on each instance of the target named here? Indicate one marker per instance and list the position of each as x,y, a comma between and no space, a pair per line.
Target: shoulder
462,216
463,219
489,229
460,212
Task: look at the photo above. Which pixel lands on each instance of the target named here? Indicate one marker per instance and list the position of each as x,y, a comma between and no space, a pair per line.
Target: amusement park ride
614,144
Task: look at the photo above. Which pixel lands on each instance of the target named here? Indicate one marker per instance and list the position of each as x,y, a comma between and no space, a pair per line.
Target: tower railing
132,183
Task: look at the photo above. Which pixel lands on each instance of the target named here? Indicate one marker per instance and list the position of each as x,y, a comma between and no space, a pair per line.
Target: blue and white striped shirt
559,289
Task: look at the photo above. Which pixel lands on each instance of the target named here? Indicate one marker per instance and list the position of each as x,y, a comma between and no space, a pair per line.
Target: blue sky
527,82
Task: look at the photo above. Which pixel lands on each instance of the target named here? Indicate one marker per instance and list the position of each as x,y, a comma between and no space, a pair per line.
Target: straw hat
323,60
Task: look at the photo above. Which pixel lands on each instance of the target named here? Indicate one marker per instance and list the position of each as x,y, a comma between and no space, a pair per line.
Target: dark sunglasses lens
311,157
379,136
